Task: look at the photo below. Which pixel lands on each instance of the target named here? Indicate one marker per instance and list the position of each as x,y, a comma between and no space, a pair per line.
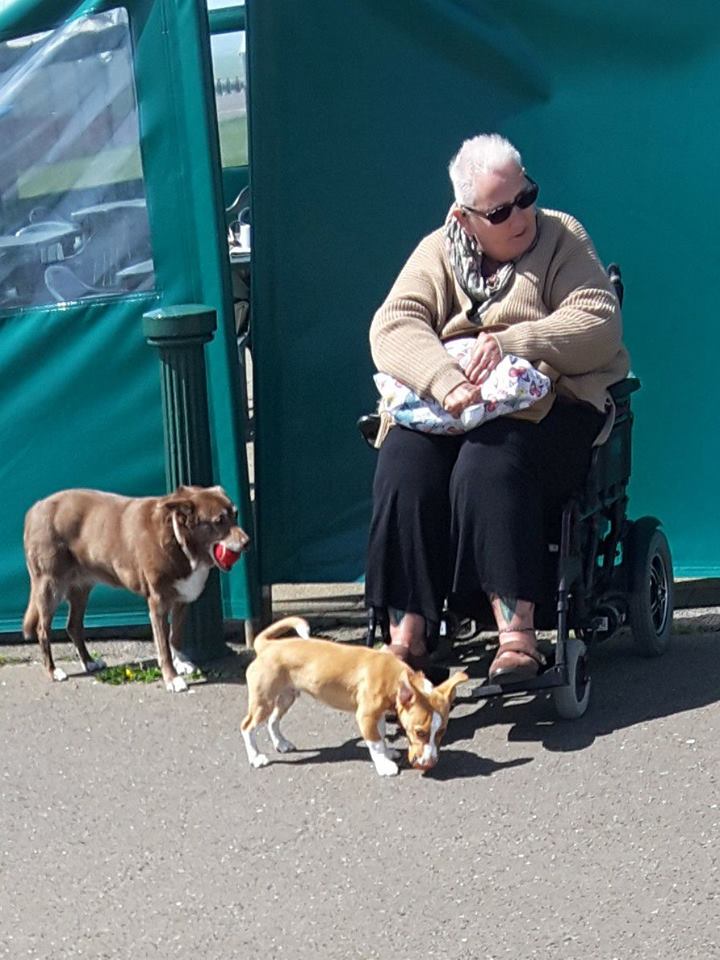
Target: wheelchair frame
610,570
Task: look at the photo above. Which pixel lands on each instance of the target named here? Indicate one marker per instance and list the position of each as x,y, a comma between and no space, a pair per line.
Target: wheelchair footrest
555,676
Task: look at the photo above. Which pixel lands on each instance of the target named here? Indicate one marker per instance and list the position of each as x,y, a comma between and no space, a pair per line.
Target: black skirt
458,517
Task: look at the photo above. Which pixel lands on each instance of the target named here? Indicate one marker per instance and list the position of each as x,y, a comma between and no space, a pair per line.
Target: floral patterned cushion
513,385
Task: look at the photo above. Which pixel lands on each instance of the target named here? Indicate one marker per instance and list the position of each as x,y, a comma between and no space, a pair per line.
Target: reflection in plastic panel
229,73
73,217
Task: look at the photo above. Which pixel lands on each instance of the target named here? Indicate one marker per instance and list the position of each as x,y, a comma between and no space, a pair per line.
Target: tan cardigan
559,312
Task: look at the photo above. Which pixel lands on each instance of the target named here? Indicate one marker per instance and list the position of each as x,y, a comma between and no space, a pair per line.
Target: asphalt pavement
132,827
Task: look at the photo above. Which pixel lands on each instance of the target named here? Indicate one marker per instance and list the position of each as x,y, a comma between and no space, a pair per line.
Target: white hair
482,154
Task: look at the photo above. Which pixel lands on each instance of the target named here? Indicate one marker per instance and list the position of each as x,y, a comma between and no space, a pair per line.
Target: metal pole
180,334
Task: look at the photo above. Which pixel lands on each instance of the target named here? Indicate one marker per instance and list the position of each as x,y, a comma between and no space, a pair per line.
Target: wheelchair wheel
650,600
572,701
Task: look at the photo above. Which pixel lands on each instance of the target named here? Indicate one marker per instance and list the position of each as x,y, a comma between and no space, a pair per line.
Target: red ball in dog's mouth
224,556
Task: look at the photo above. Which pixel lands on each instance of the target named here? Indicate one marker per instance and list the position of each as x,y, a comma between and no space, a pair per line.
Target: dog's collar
176,530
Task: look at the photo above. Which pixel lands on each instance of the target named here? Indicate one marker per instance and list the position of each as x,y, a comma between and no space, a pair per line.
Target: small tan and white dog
366,682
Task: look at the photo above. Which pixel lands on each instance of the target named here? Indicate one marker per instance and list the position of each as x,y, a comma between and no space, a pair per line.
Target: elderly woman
455,516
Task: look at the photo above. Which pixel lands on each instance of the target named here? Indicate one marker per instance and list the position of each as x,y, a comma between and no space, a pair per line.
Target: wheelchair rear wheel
650,598
572,701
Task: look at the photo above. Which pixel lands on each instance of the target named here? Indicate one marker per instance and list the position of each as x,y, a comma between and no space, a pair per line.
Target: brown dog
160,547
368,683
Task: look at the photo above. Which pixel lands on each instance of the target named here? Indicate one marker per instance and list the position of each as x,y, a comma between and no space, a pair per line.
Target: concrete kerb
334,610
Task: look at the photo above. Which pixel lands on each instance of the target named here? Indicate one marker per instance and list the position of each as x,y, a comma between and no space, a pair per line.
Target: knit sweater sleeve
583,330
404,334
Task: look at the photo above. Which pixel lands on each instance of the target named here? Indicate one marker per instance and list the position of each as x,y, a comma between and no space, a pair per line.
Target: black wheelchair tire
651,588
572,701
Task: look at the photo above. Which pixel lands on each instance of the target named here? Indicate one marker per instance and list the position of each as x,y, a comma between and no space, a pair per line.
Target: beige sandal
516,660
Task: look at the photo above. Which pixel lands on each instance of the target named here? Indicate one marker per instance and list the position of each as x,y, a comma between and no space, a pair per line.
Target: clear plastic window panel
228,57
73,215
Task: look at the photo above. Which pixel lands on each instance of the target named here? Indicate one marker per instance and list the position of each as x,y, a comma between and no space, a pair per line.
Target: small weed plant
137,673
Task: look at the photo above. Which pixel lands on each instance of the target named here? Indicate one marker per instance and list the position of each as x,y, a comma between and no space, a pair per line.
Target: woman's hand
460,397
486,356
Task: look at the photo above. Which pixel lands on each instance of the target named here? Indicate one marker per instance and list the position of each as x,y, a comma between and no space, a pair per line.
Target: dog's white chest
190,588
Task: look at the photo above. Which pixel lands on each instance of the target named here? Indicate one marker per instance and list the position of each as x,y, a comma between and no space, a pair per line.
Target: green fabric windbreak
348,145
80,386
356,109
81,400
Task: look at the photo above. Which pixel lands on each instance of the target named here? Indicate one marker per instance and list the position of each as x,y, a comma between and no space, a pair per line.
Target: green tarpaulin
357,108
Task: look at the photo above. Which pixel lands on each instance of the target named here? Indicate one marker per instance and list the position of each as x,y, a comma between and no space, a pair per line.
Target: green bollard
180,334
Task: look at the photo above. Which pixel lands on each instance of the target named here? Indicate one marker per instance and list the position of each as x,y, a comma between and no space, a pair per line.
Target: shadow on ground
626,690
454,764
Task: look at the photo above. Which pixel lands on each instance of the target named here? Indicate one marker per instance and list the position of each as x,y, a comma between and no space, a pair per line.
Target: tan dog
368,683
160,547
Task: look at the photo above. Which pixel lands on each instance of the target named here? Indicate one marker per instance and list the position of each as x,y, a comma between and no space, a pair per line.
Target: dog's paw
380,756
284,746
182,665
386,767
94,666
59,674
259,760
176,685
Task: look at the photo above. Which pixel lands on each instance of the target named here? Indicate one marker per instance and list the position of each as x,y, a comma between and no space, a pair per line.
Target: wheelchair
604,571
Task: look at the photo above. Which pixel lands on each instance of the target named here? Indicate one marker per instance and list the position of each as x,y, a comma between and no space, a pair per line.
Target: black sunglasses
526,198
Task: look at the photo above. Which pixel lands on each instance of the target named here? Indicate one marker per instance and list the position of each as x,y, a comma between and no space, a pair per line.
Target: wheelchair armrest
368,427
623,388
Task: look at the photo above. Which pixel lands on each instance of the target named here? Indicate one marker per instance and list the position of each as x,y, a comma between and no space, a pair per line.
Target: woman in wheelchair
456,516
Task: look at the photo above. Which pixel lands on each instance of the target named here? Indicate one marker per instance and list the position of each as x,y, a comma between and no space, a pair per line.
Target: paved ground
131,826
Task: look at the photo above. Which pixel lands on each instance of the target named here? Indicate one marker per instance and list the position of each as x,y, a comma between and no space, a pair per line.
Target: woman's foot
407,643
399,651
407,635
422,663
517,658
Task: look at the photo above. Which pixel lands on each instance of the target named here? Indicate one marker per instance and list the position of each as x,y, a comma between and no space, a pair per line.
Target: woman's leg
408,551
518,657
496,516
497,525
512,614
407,634
506,474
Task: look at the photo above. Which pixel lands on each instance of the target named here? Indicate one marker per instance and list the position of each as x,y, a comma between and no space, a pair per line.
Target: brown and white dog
160,547
368,683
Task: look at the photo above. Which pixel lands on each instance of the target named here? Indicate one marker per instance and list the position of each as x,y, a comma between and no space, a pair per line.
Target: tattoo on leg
512,613
395,616
508,607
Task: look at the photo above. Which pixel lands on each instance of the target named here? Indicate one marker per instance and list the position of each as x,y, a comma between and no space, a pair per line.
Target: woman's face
511,238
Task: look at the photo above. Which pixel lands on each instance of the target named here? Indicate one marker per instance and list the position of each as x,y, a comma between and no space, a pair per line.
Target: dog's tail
280,628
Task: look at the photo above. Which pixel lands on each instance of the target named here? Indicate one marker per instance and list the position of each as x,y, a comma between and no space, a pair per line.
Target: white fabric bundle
513,385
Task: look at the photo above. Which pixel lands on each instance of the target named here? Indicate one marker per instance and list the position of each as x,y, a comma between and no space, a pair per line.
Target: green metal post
180,334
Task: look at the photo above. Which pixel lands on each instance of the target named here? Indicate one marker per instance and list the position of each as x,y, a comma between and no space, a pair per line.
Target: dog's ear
182,508
447,689
406,691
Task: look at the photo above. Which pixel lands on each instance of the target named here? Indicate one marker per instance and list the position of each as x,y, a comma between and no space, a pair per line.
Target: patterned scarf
466,259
